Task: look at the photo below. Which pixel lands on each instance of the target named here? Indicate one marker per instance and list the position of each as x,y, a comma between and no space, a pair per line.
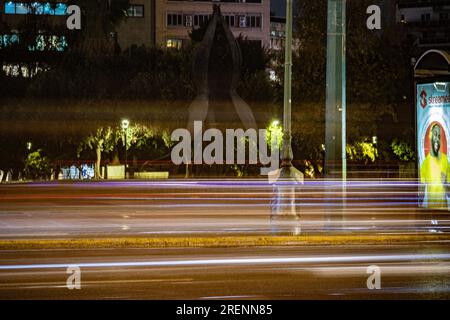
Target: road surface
220,208
208,207
414,271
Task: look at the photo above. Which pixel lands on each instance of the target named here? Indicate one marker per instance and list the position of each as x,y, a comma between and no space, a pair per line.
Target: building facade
175,19
277,33
426,21
138,29
165,23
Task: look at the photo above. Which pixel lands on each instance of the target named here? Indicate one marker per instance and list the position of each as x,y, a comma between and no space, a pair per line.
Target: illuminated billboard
433,134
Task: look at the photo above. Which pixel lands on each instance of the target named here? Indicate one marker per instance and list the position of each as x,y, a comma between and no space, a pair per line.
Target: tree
99,18
148,143
103,140
378,77
140,140
37,165
403,150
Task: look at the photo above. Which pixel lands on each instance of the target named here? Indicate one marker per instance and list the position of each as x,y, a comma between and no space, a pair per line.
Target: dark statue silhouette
216,69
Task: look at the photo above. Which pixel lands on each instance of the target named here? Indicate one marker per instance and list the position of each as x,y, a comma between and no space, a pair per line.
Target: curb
217,242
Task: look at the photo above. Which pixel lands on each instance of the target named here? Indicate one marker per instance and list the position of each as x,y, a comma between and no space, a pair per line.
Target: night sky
279,7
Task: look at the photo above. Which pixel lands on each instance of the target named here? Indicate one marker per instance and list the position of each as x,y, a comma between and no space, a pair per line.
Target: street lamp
125,125
287,169
284,202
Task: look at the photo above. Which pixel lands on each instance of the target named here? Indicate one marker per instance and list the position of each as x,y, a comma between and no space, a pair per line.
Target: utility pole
335,122
287,169
284,204
335,136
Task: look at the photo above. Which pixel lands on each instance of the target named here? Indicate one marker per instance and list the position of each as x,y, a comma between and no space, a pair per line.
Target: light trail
251,261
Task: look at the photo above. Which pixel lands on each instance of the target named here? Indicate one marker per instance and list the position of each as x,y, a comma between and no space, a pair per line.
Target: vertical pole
286,152
335,122
126,153
335,136
284,204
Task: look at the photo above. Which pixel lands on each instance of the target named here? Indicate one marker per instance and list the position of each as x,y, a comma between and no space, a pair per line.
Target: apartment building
176,18
426,21
277,32
138,29
159,22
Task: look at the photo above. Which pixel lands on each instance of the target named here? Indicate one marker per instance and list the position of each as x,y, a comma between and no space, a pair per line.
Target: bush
403,150
37,166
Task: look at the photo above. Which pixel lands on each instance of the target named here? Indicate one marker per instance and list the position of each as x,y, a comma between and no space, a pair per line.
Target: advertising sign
433,134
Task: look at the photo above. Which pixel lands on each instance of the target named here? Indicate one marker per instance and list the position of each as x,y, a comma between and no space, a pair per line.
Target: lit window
174,43
37,8
61,9
135,11
10,8
48,9
62,44
242,21
22,8
40,43
188,21
14,38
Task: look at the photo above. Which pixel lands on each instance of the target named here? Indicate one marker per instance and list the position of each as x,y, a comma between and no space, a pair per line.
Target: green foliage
147,142
100,18
140,140
256,87
103,140
37,165
378,76
403,150
150,74
362,151
308,131
255,84
254,57
167,75
275,130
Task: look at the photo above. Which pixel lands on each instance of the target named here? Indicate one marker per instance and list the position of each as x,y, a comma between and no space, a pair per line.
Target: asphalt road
407,272
220,207
209,207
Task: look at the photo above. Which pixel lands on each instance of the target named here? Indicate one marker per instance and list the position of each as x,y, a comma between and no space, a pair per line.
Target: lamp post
125,125
283,206
287,169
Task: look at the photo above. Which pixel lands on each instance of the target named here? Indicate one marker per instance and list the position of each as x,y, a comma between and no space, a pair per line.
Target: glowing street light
125,125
